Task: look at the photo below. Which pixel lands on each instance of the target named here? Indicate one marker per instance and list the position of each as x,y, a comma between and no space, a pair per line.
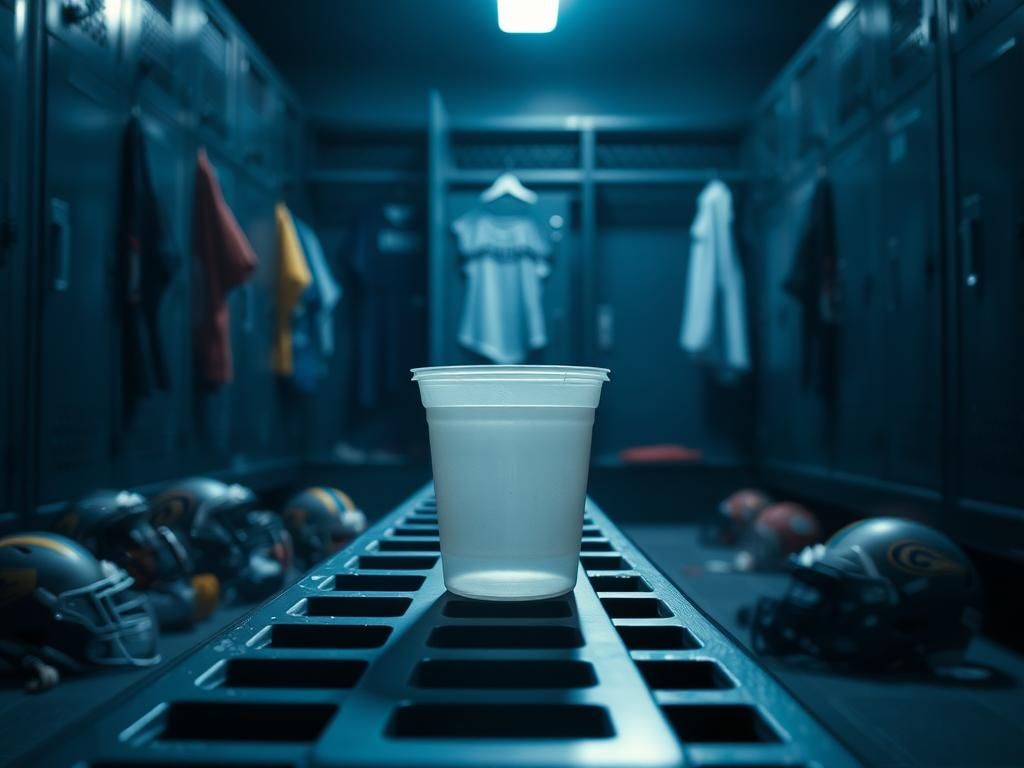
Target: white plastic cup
510,449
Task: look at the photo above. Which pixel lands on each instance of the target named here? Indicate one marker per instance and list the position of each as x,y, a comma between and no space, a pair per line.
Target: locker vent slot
500,721
156,43
605,563
596,545
537,150
412,530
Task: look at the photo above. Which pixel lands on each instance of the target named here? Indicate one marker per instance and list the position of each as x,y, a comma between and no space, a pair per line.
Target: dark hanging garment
224,260
812,281
147,262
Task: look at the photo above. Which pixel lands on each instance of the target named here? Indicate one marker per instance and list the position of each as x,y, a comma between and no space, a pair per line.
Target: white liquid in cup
510,448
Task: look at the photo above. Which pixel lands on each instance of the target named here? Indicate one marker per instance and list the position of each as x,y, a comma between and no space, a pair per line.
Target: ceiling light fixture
527,16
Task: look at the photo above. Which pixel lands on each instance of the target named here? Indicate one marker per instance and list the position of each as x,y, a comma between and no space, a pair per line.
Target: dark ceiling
374,61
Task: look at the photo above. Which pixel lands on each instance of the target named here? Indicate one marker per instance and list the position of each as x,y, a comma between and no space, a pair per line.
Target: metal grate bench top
368,661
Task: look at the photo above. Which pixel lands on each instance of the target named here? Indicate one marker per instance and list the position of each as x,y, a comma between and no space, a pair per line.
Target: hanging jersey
505,262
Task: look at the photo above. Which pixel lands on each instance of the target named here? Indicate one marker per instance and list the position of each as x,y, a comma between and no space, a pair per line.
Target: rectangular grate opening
591,530
430,520
512,637
719,723
596,545
235,721
414,530
619,584
328,635
396,562
605,563
504,673
408,545
354,606
588,520
364,582
527,609
635,608
293,673
500,721
657,638
698,675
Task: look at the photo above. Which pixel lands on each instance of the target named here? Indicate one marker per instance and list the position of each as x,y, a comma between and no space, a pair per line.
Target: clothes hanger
508,184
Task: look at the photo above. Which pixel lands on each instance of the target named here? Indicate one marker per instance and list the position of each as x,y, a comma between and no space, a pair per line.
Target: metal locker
973,18
255,406
852,72
807,437
859,438
991,265
912,290
810,106
259,116
86,111
213,99
908,44
149,449
776,328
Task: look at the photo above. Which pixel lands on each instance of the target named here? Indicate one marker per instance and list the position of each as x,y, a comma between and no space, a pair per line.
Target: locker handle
60,244
968,240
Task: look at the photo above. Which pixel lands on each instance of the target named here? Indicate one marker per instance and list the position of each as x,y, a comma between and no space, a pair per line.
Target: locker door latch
970,214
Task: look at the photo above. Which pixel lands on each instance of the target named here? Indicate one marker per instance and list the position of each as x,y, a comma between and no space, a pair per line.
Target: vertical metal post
588,261
437,171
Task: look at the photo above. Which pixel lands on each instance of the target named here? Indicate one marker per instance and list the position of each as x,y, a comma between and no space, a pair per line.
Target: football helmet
734,516
246,548
322,520
115,526
64,607
779,530
885,592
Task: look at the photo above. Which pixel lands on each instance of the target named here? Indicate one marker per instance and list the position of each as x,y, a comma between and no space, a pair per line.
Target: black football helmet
61,605
246,548
115,526
884,593
322,520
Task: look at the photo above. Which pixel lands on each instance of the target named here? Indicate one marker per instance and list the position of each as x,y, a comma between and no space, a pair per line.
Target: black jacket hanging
812,281
147,261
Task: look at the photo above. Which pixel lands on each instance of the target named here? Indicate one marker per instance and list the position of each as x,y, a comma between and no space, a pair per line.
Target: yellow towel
292,280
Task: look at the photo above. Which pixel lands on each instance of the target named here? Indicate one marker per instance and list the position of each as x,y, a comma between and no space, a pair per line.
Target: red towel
660,454
224,260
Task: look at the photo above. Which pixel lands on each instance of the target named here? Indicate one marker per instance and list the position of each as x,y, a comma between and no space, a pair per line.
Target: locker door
805,428
859,448
7,254
990,124
913,322
255,405
78,331
972,18
149,447
776,326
